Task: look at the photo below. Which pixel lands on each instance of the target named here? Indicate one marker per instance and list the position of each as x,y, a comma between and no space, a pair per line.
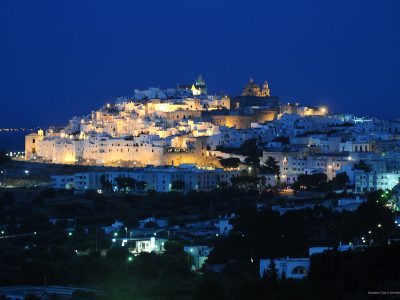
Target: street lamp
4,177
27,173
126,231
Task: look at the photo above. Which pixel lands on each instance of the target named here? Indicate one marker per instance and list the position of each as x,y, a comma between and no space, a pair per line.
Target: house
296,268
349,204
139,245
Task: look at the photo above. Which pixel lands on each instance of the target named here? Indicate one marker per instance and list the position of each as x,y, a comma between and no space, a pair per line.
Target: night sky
64,58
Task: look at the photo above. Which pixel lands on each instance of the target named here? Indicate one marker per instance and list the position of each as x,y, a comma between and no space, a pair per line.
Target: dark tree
362,165
4,159
311,182
245,181
271,166
178,185
340,181
272,273
91,195
284,140
105,184
125,183
231,162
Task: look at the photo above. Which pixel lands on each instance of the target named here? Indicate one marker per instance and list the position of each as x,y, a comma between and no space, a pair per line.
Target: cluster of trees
271,167
319,182
268,234
127,184
119,275
249,148
256,234
4,158
333,275
362,165
231,162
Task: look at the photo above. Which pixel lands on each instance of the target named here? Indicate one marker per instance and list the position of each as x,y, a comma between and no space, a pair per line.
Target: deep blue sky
64,58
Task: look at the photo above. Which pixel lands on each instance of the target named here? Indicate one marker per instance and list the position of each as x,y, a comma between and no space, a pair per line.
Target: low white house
349,204
139,245
78,181
296,268
318,250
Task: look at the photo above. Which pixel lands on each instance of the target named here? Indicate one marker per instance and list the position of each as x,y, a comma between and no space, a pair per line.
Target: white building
158,179
373,181
139,245
296,268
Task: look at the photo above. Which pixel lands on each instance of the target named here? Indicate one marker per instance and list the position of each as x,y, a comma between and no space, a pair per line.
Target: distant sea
12,140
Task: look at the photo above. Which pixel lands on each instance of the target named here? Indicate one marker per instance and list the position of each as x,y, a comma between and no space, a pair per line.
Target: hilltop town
185,127
177,192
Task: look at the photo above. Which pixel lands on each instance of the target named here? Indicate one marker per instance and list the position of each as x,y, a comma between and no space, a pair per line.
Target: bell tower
265,90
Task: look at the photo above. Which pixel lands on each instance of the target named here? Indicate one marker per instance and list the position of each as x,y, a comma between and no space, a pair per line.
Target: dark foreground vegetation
43,251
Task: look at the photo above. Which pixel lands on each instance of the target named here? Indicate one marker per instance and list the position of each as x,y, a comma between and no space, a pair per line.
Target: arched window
300,270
